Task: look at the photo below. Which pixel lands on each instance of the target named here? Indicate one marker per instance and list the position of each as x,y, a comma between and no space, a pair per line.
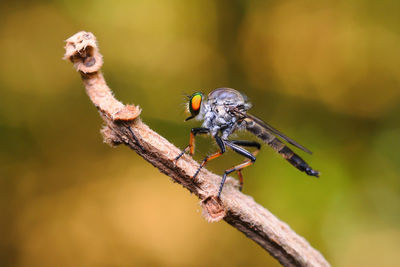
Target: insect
225,111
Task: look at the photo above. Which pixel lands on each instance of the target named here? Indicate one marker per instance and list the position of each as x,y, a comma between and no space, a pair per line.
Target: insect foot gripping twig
123,126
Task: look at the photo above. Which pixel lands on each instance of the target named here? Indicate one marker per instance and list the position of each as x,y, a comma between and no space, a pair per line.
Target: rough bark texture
123,126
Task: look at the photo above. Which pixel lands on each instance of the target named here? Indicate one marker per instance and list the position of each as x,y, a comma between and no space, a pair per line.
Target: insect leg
191,145
235,168
239,172
247,144
222,148
242,152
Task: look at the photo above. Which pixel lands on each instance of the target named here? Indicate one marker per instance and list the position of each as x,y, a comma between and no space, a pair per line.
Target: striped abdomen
279,147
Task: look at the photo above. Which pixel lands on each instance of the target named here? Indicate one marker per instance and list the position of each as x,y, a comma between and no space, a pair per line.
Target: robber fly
225,111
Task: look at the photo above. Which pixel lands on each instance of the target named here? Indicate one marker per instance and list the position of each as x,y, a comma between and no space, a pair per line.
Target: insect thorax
217,116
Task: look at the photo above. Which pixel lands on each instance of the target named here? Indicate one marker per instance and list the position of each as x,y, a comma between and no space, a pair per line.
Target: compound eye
195,103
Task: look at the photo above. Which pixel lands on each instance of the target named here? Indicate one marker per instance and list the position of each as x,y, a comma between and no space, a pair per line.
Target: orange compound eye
195,105
196,102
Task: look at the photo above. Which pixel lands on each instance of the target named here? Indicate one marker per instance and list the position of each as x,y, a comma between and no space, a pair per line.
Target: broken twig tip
82,50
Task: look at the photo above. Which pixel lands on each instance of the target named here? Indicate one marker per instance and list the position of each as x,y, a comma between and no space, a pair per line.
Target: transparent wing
271,129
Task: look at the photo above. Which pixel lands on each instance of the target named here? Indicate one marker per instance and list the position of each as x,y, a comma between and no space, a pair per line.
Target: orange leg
237,168
236,145
222,148
191,143
207,159
239,172
192,140
255,152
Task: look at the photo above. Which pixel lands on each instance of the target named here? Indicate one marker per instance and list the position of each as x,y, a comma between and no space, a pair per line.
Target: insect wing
271,129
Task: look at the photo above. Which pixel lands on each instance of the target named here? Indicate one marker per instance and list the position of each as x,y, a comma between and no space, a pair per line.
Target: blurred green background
324,72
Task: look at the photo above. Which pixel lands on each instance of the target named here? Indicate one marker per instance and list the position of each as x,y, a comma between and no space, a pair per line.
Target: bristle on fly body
185,102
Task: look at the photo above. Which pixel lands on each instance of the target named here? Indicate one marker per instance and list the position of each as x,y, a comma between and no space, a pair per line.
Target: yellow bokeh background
324,72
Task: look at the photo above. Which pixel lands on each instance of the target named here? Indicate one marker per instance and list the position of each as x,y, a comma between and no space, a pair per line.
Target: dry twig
124,126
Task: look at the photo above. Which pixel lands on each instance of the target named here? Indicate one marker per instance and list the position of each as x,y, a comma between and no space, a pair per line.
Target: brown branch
123,125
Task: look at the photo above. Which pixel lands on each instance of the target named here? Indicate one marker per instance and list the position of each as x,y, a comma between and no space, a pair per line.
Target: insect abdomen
280,147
